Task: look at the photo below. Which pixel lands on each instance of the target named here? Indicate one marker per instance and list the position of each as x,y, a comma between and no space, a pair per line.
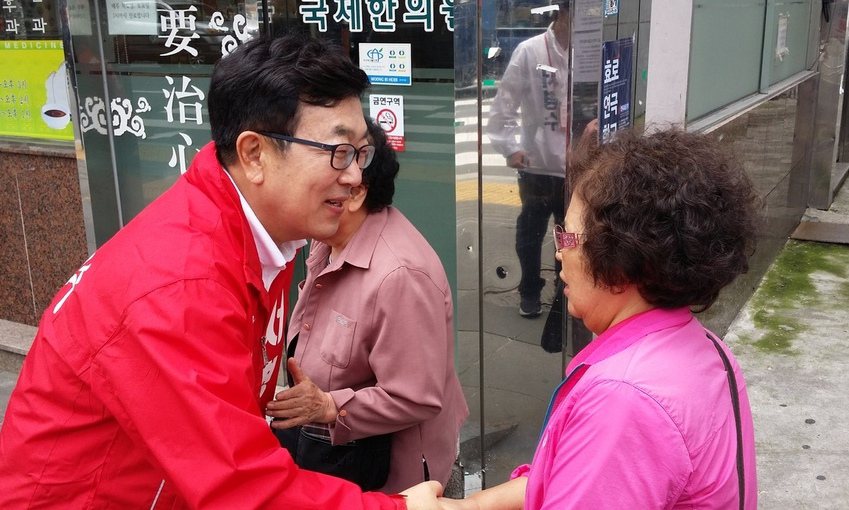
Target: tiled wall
42,234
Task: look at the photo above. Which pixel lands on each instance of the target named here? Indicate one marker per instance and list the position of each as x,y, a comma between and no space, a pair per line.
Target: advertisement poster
615,103
387,64
388,113
34,99
132,17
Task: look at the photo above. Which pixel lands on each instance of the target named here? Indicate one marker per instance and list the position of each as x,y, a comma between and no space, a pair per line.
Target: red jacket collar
207,174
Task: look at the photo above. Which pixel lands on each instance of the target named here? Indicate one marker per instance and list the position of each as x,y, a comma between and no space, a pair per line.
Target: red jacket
142,387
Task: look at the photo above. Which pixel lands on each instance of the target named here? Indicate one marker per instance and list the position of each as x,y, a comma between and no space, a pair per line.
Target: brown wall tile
16,301
52,221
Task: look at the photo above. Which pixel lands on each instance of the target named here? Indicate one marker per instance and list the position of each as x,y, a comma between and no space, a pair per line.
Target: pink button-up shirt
648,425
375,331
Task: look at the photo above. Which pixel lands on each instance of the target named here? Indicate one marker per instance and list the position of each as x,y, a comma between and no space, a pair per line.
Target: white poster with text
388,113
387,64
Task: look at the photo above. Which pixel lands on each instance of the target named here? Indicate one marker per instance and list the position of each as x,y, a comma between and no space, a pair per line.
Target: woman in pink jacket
649,415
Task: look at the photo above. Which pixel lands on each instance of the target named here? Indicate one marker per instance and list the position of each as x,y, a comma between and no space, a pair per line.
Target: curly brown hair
671,212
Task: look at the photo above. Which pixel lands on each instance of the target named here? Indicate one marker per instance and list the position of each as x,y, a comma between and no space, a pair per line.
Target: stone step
15,341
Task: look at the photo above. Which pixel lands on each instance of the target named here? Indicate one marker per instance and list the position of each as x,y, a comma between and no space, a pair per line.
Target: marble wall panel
51,221
16,298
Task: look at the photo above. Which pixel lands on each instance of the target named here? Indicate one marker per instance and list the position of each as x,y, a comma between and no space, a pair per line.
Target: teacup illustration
56,112
56,116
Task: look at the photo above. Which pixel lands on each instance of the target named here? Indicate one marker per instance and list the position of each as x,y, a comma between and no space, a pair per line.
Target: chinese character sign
34,99
615,103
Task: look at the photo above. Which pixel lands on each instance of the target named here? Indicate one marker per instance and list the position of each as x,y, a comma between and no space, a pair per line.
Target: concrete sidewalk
792,340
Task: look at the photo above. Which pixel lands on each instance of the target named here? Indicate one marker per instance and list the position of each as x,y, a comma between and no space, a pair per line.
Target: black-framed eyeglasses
564,240
341,154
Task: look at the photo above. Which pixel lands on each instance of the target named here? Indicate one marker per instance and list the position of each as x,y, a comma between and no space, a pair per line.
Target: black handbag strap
735,402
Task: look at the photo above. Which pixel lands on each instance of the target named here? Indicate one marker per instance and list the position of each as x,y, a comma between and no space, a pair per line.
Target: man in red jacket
146,383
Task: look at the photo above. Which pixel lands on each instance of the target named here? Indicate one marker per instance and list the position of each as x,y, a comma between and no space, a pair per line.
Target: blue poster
615,102
611,8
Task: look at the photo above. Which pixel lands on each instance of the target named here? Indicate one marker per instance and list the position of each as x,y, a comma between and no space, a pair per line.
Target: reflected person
373,361
528,124
647,415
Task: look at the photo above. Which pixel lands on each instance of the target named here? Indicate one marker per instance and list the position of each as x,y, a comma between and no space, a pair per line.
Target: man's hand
302,403
423,496
518,159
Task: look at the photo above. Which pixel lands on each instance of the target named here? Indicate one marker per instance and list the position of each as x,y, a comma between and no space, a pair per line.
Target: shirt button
318,285
307,326
343,413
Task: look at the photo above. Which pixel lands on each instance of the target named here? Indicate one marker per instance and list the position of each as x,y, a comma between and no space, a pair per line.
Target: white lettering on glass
178,154
188,111
171,22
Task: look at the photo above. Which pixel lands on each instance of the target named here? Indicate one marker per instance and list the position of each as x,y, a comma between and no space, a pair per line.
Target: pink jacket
376,331
145,385
648,425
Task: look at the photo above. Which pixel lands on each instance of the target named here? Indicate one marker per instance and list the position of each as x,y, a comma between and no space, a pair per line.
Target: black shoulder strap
735,402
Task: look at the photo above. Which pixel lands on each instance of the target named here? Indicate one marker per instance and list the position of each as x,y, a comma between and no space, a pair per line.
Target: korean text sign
615,102
34,100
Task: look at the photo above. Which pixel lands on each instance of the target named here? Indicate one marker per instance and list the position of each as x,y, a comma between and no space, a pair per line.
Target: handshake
507,496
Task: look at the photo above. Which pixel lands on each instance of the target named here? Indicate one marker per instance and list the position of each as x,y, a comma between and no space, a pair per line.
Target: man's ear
357,199
252,151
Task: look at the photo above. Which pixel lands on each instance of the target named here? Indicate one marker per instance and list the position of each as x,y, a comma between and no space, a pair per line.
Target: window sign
187,102
611,8
126,116
179,30
388,113
34,99
350,12
29,19
239,32
615,105
381,15
314,12
168,111
79,17
132,17
586,40
387,64
781,49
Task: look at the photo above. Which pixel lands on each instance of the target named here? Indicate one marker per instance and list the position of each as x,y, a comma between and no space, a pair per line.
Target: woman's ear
358,198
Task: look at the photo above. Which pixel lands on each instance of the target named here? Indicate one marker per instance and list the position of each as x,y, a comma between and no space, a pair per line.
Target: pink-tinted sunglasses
563,239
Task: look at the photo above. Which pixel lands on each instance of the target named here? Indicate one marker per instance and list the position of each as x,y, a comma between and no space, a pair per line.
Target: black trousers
542,196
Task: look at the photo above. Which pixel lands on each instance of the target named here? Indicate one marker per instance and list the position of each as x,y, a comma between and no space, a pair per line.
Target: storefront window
34,102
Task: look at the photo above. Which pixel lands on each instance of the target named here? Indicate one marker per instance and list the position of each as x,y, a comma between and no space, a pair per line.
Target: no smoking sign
387,120
388,112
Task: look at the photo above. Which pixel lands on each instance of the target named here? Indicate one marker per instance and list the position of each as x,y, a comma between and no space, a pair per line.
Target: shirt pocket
338,340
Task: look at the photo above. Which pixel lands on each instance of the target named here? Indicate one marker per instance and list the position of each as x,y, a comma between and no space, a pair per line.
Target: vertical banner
34,99
388,113
615,104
